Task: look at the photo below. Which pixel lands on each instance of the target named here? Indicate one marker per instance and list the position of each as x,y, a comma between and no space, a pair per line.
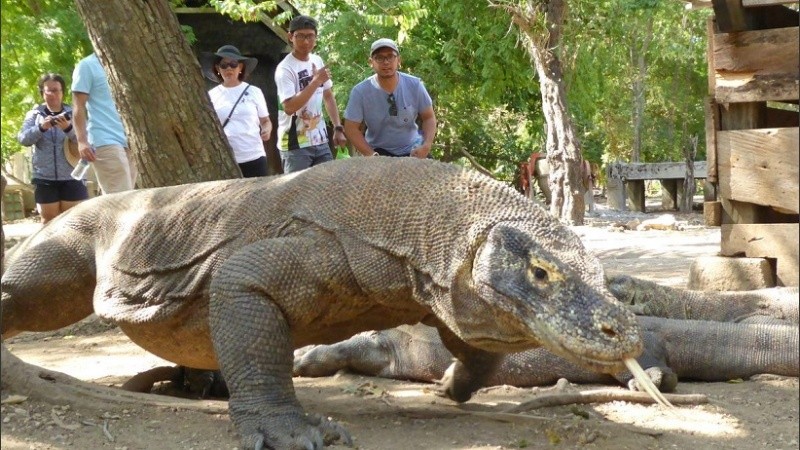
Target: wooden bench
625,183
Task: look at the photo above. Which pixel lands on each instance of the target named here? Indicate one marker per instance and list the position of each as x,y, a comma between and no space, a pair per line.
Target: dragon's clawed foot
663,377
455,384
295,432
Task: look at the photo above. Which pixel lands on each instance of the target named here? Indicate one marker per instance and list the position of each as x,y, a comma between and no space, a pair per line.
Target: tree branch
475,163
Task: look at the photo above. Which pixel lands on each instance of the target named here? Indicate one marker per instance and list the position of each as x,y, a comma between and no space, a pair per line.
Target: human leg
296,160
48,211
47,199
322,153
255,168
133,167
113,169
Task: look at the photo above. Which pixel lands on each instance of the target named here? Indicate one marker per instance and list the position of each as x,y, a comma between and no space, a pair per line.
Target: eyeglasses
230,65
380,59
305,36
52,91
392,105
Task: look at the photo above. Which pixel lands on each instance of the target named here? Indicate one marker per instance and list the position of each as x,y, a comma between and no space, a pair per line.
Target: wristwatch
338,128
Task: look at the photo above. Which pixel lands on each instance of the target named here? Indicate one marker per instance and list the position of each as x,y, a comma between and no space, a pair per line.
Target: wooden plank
776,241
656,171
760,166
756,3
758,51
730,15
712,126
757,65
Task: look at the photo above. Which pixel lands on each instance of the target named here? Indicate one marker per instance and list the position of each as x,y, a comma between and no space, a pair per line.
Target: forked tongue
645,382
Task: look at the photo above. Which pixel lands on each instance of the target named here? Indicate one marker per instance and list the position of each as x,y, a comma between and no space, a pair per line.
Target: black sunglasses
392,105
230,65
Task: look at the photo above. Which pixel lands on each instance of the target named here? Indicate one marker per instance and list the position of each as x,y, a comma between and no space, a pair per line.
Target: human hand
320,76
266,130
86,151
339,139
422,151
61,121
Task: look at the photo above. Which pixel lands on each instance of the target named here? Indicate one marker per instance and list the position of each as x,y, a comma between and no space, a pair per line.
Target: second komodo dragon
236,274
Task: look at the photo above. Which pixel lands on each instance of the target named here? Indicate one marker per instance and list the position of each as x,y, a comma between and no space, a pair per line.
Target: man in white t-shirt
303,84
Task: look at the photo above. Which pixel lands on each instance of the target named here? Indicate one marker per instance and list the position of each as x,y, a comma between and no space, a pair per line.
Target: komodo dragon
674,349
772,305
739,334
236,274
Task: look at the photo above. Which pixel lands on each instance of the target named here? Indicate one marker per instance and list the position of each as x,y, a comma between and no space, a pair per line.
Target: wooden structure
752,124
625,183
265,40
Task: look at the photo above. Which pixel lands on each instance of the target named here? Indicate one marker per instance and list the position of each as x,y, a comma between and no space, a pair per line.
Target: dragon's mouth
610,366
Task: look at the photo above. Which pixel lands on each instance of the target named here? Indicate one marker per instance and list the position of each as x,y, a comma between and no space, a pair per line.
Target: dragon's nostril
608,331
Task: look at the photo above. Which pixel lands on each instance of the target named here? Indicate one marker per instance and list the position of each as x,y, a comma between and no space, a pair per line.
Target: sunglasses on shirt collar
392,105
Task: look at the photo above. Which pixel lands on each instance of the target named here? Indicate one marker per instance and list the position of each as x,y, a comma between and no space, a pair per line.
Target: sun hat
381,43
207,60
71,152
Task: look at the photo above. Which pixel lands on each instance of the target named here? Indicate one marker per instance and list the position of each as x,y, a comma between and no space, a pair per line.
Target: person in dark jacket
46,127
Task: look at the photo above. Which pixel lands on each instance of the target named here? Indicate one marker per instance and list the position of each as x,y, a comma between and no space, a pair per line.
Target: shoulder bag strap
234,106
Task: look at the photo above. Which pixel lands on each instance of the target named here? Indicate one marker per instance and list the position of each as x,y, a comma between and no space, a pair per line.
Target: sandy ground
761,413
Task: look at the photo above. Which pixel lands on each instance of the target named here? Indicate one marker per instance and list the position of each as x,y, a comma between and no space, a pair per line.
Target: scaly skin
689,349
773,305
247,270
674,349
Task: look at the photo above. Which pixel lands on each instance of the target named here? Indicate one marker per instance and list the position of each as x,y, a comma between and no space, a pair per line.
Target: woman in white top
241,107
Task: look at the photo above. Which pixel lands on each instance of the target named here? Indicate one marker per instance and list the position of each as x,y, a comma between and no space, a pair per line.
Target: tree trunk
563,150
159,90
639,59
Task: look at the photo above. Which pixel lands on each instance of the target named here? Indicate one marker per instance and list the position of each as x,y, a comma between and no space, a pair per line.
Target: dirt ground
761,413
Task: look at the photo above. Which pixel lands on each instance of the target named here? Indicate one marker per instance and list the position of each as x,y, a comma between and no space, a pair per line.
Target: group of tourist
390,114
381,117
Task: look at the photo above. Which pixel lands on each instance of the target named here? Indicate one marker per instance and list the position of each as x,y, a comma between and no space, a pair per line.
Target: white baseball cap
381,43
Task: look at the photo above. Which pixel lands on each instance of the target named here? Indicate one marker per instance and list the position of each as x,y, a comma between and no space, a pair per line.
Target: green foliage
485,95
600,70
485,89
245,10
38,37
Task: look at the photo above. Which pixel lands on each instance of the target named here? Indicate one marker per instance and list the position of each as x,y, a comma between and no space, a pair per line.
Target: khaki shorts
115,169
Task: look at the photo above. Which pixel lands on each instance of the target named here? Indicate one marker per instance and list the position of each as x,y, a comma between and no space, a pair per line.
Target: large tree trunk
160,93
541,24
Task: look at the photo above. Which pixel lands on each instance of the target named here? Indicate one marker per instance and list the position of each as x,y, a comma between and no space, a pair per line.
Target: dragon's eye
540,274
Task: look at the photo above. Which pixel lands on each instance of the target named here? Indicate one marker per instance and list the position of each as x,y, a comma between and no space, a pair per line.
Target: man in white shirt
304,83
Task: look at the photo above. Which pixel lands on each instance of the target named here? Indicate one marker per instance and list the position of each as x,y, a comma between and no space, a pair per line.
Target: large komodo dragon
236,274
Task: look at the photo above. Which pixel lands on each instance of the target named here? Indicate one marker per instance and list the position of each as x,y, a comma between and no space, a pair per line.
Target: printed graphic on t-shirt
303,130
304,78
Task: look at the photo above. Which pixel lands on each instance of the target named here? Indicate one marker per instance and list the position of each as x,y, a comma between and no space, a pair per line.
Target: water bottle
79,172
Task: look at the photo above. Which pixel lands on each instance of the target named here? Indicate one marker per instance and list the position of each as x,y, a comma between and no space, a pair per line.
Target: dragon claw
312,432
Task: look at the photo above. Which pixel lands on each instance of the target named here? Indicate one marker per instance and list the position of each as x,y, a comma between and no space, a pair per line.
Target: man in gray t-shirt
389,103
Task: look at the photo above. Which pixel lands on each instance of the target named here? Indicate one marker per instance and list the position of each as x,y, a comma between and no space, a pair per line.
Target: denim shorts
53,191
